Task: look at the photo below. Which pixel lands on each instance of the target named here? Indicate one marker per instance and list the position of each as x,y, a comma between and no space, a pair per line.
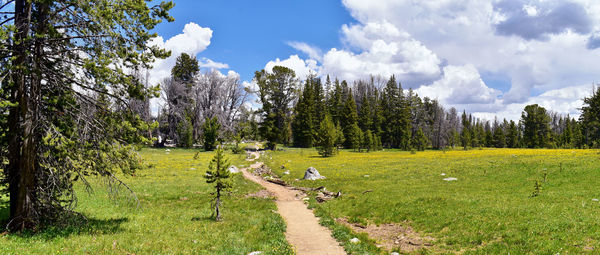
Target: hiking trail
303,230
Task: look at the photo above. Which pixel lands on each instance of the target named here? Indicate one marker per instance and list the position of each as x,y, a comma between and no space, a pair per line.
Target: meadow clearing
489,209
173,216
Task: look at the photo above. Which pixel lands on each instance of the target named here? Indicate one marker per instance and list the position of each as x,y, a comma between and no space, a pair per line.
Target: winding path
303,230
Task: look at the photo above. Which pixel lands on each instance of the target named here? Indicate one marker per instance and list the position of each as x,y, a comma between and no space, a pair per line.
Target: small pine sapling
219,175
537,189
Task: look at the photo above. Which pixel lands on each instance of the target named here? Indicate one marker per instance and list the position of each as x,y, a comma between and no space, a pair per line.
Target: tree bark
21,145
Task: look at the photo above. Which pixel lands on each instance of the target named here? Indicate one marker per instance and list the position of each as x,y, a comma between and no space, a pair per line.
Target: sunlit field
173,216
492,208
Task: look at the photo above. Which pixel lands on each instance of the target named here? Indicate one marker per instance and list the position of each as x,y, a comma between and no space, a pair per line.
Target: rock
443,174
255,253
167,150
233,169
595,199
312,174
355,240
450,179
286,172
394,253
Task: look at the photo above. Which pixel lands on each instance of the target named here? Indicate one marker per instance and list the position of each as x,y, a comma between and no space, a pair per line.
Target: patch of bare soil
262,194
392,235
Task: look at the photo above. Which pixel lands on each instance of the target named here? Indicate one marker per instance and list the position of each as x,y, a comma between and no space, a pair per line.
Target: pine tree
512,136
536,126
499,138
365,116
66,78
368,141
390,104
210,133
349,119
590,119
420,140
356,137
336,103
341,138
303,129
466,138
277,90
326,137
185,133
218,174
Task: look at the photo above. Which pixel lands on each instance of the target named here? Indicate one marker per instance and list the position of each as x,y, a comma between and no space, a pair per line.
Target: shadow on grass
73,224
204,219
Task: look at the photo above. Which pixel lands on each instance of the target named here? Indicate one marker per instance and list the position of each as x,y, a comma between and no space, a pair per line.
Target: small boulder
355,240
233,169
312,174
286,172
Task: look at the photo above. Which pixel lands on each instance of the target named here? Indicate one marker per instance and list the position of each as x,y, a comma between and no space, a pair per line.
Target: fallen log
277,181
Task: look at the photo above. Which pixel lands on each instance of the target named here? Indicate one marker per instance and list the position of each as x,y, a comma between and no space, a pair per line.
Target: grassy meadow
489,209
173,216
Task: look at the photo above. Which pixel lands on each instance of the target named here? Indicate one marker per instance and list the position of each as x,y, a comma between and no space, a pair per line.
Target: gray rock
233,169
355,240
255,253
394,253
312,174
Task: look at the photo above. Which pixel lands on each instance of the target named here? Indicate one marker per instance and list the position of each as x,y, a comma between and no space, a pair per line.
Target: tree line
376,113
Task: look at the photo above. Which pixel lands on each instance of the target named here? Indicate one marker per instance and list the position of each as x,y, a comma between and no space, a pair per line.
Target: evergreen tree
218,173
499,138
326,137
341,138
336,103
210,133
65,86
303,124
185,131
420,140
365,116
536,126
590,119
319,105
355,137
277,90
368,141
465,135
349,119
512,136
390,104
377,114
185,70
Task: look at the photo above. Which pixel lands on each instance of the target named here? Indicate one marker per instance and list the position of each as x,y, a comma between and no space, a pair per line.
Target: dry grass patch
392,236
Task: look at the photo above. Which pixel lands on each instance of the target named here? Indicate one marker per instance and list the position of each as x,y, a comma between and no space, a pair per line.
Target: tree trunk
217,204
22,145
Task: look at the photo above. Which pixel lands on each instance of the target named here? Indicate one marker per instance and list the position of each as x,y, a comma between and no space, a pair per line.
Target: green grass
489,210
173,217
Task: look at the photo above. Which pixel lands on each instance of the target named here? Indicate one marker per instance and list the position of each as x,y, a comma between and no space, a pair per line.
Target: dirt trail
303,230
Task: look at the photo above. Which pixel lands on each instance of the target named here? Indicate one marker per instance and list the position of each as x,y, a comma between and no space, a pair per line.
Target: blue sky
248,34
489,57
